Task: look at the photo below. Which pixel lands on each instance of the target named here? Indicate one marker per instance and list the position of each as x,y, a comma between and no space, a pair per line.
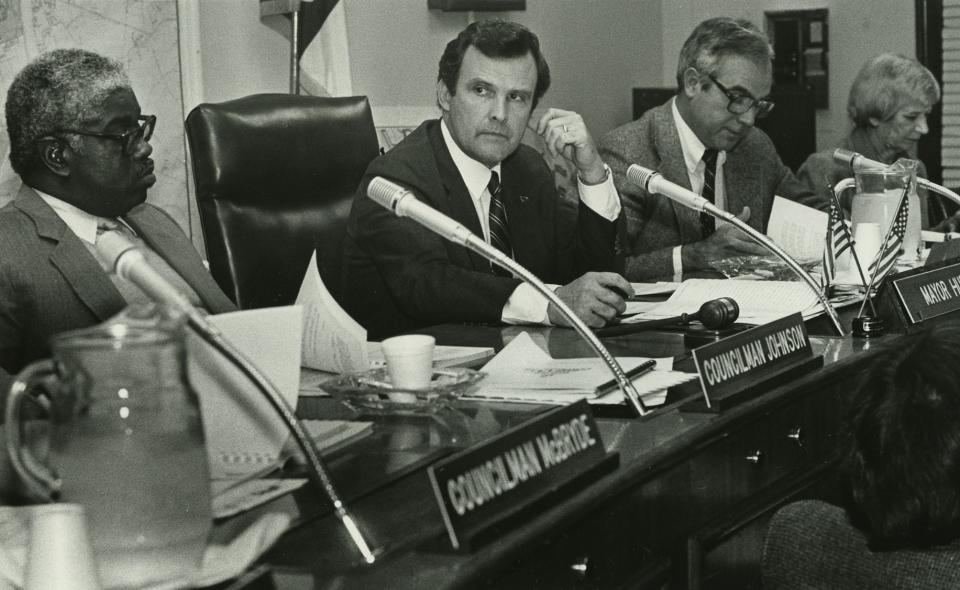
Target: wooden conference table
687,505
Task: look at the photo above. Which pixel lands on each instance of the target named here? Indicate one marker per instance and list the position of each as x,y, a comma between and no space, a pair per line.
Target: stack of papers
334,342
760,301
523,372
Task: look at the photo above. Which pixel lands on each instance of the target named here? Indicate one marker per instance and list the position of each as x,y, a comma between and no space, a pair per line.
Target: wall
242,54
142,35
597,51
858,29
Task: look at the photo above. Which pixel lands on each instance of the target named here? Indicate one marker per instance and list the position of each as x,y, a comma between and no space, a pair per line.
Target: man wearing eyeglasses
703,139
81,146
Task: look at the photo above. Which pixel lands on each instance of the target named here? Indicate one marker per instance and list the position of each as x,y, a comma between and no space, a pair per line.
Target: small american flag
838,241
891,248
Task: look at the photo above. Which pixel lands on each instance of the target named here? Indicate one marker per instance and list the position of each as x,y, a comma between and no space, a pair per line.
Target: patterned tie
499,234
707,224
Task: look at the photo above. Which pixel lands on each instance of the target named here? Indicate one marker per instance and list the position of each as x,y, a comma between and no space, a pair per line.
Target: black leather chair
275,175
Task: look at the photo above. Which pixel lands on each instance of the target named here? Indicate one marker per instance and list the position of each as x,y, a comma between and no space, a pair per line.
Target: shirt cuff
677,264
602,198
526,306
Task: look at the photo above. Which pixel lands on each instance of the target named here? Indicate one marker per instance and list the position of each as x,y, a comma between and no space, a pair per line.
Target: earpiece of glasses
128,139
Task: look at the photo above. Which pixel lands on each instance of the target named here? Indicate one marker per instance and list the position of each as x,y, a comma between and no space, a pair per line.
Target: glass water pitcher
876,198
123,438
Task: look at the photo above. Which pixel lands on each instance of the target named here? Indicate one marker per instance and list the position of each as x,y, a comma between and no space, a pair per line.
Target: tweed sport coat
51,283
753,173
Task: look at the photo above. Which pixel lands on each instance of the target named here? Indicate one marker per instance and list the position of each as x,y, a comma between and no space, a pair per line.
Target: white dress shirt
693,150
81,223
525,305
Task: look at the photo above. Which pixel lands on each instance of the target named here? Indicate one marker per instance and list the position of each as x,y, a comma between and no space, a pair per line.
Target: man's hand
726,242
566,135
950,224
596,297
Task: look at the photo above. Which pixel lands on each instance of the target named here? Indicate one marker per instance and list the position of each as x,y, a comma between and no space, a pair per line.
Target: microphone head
384,192
717,314
639,175
110,248
844,156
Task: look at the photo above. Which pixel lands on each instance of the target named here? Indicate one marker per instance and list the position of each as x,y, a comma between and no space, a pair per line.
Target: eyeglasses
741,103
128,139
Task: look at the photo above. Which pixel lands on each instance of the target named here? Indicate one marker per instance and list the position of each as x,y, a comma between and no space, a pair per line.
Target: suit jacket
50,282
752,175
399,276
811,544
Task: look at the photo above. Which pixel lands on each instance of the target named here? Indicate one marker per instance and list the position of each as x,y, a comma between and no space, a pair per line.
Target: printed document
798,229
334,342
524,372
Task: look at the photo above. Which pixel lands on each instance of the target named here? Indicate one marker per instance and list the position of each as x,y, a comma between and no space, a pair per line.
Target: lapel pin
523,198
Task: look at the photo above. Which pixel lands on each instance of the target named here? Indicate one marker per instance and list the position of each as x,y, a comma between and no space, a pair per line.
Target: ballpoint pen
641,369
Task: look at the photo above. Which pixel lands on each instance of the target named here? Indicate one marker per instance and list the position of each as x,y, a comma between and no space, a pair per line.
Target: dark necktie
499,234
707,224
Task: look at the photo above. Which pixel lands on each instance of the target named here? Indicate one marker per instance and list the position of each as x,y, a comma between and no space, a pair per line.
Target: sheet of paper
244,433
759,301
523,371
332,340
658,288
230,500
798,229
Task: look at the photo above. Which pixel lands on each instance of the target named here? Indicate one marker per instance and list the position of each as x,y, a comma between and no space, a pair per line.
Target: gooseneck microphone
129,263
855,160
715,314
653,182
404,204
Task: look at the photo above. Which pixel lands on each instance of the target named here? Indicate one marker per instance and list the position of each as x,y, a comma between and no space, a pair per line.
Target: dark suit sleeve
417,271
11,330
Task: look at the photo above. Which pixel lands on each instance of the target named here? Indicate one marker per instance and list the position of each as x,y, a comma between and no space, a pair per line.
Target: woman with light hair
889,102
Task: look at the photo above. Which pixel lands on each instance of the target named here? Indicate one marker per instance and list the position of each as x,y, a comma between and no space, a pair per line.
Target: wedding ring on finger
565,129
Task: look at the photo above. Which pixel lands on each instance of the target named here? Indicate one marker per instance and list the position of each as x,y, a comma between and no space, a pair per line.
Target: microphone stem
773,247
496,256
315,465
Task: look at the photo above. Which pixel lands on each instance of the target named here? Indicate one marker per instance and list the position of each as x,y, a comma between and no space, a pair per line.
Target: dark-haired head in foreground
901,448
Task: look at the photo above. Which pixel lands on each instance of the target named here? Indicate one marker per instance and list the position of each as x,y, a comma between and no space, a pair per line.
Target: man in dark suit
80,145
470,166
703,139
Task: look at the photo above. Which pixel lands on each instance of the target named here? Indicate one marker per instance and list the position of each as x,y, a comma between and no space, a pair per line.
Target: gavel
715,314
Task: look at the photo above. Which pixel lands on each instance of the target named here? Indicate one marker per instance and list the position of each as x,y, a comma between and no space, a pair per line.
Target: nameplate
740,363
930,293
483,486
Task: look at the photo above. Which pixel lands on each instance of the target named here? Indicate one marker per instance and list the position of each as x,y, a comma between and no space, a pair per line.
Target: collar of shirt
82,224
475,174
693,150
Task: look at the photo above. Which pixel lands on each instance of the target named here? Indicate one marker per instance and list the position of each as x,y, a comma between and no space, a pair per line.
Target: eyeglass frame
763,105
128,138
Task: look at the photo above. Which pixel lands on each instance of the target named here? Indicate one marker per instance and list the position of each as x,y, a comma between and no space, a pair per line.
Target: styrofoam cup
409,360
60,554
866,237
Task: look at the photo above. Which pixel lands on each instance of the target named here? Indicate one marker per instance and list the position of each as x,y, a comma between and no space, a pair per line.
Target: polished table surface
658,492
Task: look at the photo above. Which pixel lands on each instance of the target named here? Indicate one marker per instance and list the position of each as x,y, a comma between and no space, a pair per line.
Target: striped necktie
499,234
707,223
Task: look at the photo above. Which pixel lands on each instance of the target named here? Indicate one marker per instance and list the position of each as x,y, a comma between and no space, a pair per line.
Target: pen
641,369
